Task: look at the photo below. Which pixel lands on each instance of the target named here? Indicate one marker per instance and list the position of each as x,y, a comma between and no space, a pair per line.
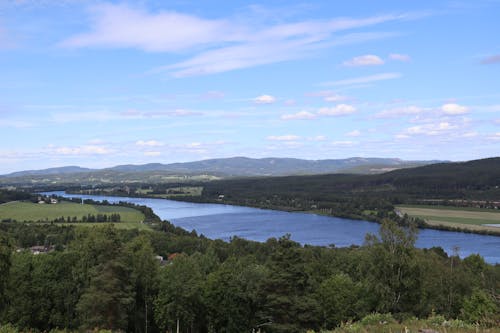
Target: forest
152,281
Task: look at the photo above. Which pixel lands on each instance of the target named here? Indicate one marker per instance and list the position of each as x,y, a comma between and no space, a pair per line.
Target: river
224,221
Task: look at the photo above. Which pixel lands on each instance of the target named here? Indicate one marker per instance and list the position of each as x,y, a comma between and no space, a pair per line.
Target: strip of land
474,219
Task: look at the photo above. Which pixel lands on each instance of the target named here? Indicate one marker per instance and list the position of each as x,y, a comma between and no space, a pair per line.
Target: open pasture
468,218
27,211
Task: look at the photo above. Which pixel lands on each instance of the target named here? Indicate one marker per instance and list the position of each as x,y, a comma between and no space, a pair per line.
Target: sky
103,83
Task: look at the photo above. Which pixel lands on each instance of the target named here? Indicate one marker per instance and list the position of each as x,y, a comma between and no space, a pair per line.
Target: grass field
468,218
173,192
27,211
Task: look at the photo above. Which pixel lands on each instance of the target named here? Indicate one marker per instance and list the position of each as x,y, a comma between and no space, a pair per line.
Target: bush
8,329
377,318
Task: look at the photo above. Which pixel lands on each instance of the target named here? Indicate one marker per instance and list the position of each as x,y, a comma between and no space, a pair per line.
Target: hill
479,179
209,170
50,171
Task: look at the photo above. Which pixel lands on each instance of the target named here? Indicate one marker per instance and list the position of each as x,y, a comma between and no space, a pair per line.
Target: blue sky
97,84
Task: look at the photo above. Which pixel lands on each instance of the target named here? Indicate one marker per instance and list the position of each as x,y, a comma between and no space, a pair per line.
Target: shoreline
428,224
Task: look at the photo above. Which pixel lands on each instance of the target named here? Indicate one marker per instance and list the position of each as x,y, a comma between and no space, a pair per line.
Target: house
172,256
40,249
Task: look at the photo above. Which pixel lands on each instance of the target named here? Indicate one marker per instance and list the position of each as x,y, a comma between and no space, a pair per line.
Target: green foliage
232,296
8,328
180,295
377,318
106,301
338,296
394,275
5,262
480,308
107,278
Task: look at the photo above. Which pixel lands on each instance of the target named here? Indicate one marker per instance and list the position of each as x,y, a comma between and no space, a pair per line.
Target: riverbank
421,223
367,215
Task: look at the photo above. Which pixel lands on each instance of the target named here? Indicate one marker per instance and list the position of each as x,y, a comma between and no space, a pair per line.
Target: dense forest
150,281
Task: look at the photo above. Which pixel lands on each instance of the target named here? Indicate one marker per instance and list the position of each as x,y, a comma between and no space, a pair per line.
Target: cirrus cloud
400,57
338,110
288,137
149,143
364,60
301,115
223,44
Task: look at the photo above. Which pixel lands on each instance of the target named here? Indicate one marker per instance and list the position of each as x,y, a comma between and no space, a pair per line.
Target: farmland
27,211
465,218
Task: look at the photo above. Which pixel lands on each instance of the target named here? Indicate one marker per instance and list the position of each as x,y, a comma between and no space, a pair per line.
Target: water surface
225,221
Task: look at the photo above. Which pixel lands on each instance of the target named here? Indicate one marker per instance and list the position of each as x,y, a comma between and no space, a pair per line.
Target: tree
144,279
5,263
289,303
394,275
338,297
106,302
233,296
480,308
179,300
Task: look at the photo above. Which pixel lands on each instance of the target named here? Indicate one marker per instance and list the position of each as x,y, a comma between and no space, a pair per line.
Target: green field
468,218
171,192
27,211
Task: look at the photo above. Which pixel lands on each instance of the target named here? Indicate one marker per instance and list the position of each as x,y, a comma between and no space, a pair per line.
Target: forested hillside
468,180
108,278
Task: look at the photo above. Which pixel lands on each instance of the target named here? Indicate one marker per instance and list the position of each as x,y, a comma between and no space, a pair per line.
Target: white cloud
471,134
150,143
431,129
121,26
364,60
152,153
364,79
338,110
79,150
335,98
342,143
454,109
299,116
15,123
288,137
264,99
213,94
495,136
219,44
329,96
317,138
400,111
354,133
400,57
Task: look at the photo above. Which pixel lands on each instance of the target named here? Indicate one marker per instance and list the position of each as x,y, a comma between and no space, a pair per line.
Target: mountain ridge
243,166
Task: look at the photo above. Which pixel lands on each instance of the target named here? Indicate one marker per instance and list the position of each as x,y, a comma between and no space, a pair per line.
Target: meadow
28,211
467,218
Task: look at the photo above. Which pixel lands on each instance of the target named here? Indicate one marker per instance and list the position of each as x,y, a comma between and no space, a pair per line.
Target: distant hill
220,168
244,166
50,171
474,179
